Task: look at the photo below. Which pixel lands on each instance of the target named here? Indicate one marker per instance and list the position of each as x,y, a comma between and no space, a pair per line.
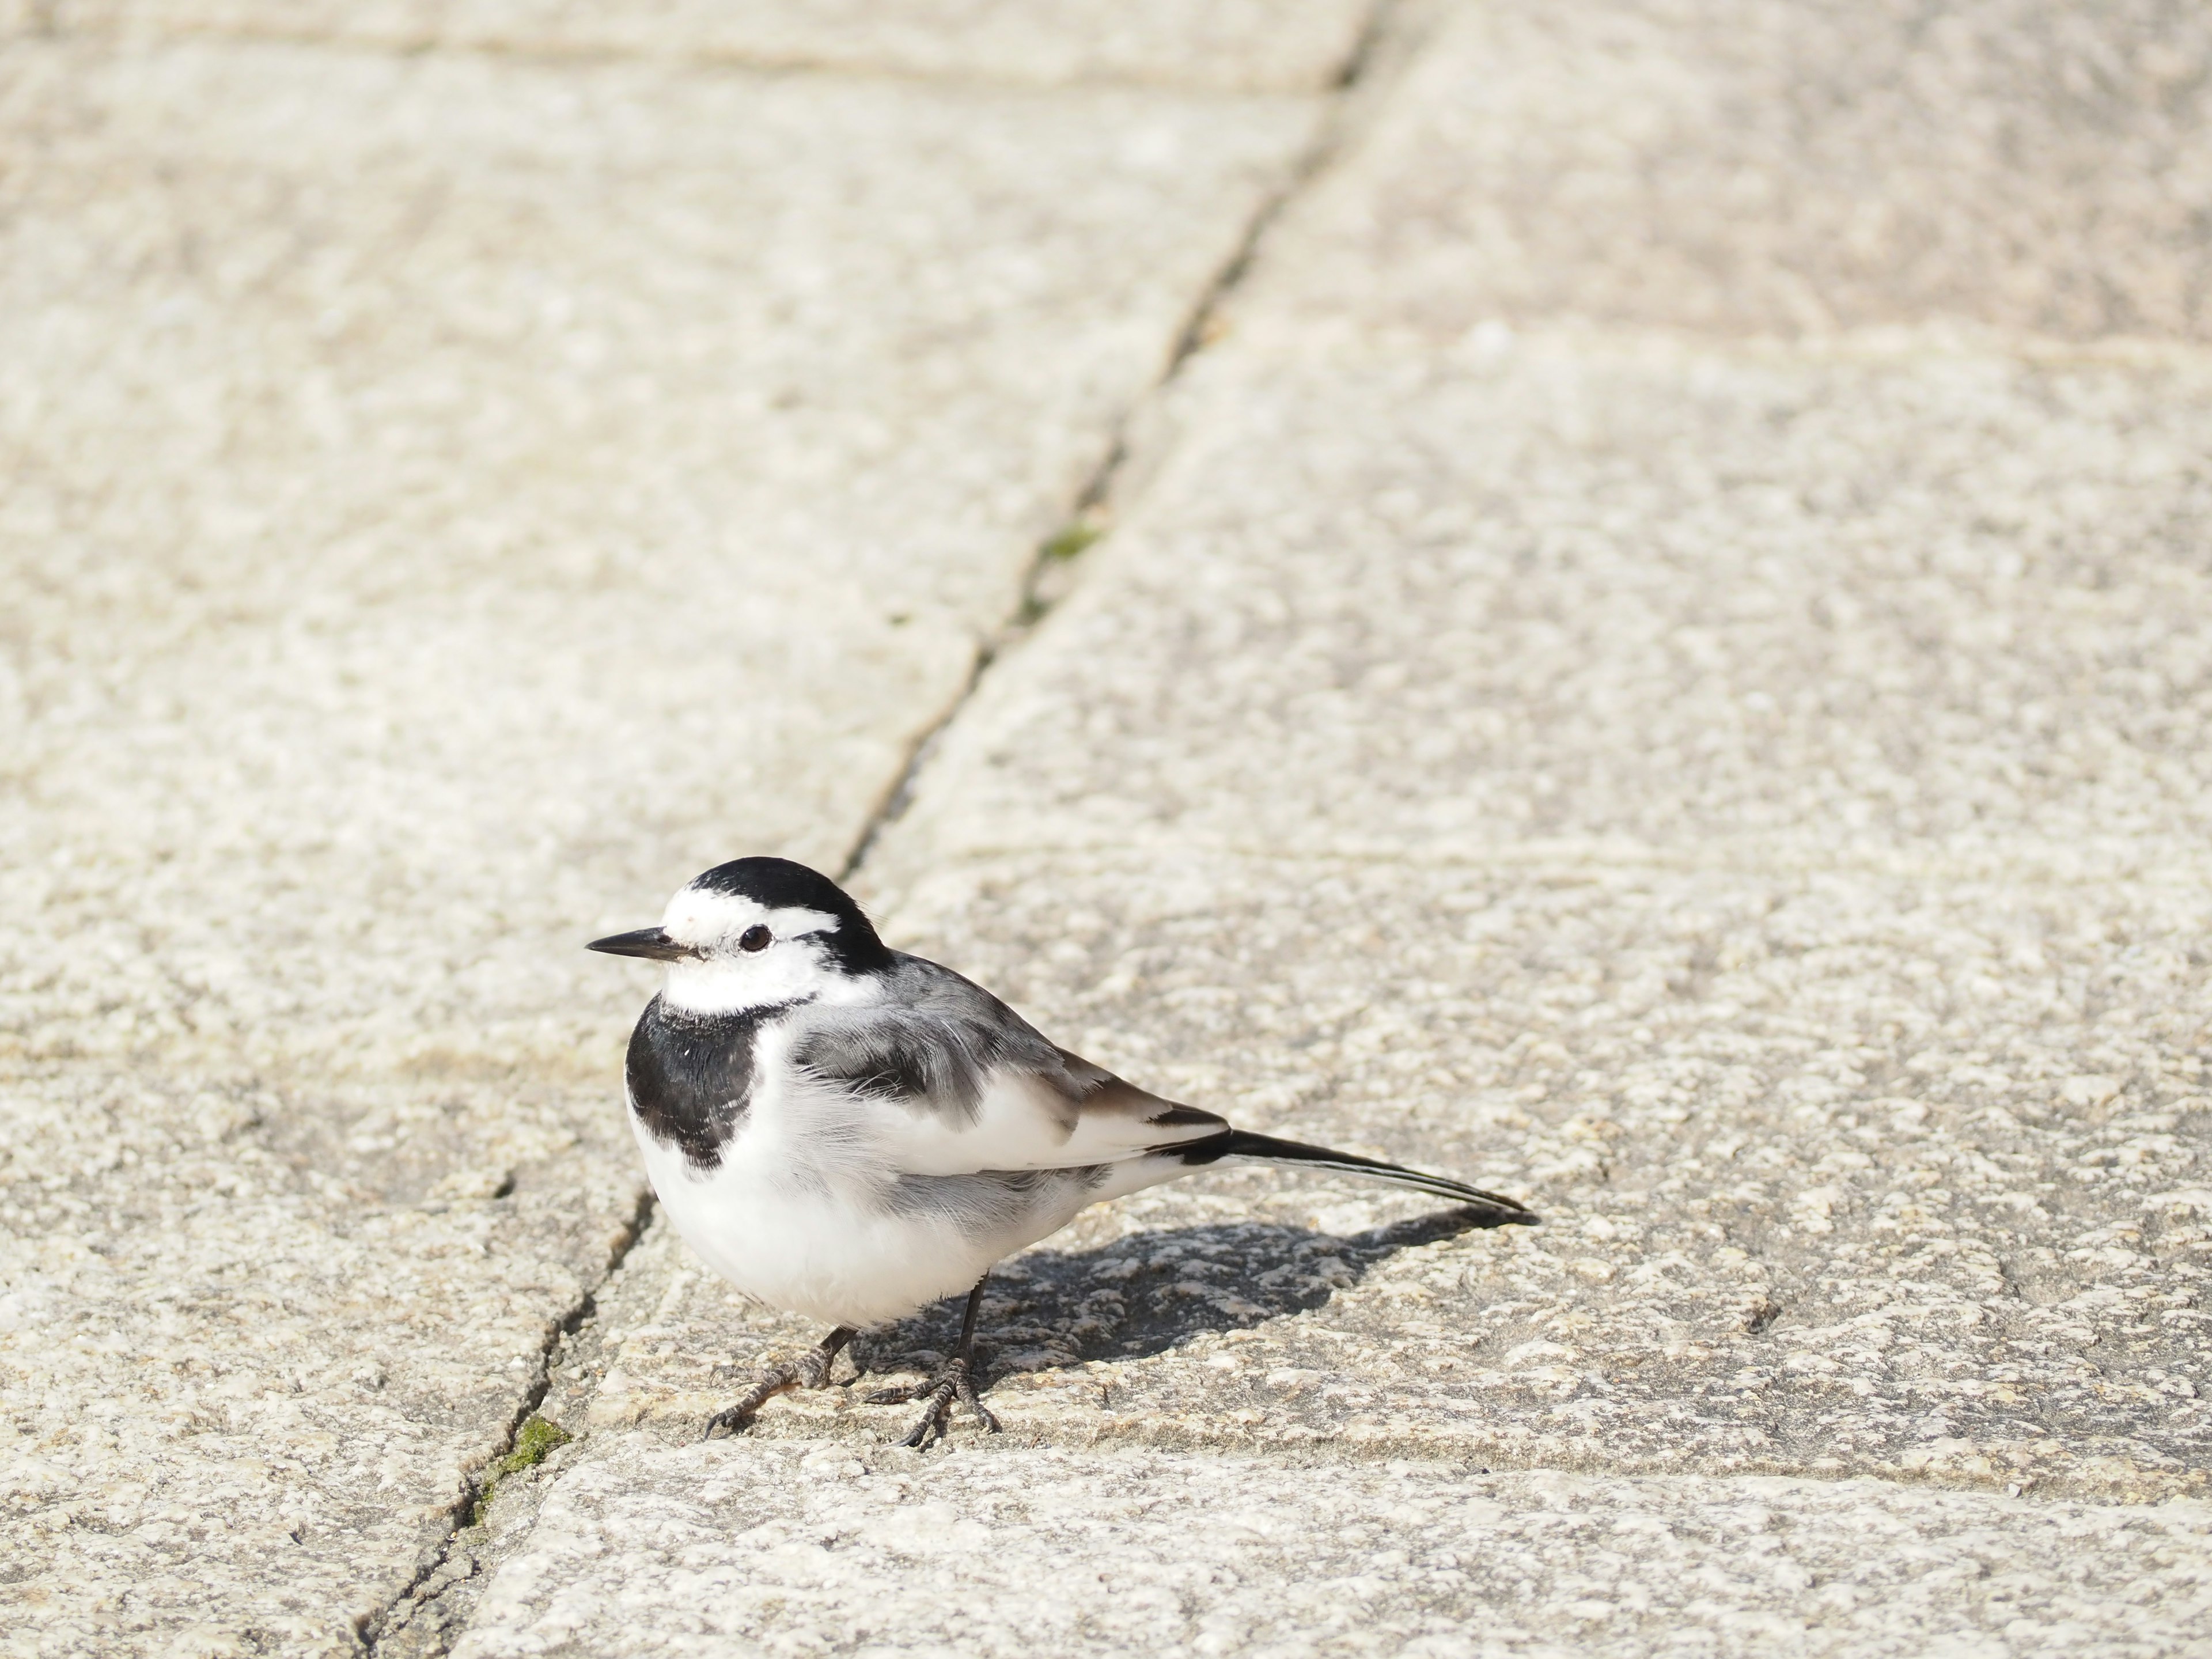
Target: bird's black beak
649,942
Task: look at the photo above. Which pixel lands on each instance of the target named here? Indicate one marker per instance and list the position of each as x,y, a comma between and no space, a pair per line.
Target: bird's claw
734,1420
810,1372
956,1382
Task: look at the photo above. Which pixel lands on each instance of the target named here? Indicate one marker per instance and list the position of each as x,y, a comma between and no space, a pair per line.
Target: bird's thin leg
956,1382
810,1371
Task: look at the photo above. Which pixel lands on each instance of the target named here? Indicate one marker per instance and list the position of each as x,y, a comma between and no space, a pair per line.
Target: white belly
832,1249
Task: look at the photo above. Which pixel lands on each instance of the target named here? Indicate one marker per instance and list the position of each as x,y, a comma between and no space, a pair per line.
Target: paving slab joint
466,1508
1360,70
1053,568
43,20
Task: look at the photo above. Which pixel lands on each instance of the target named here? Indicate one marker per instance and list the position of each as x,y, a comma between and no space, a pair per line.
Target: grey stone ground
781,1549
1226,46
1655,656
449,498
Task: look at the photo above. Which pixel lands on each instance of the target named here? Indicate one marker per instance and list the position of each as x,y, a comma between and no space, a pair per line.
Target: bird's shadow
1149,1292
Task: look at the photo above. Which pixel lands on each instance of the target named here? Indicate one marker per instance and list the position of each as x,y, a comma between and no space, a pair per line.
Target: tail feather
1241,1143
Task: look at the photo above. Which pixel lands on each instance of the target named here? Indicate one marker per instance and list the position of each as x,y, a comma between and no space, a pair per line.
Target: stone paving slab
1809,1209
1639,783
1555,595
1748,801
1879,1152
1226,46
1773,167
240,1414
415,468
647,1549
373,477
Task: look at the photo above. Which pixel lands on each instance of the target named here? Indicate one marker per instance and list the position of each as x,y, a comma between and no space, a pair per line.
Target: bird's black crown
780,884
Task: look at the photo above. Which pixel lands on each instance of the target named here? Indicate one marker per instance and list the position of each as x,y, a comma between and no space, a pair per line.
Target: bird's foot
956,1382
811,1370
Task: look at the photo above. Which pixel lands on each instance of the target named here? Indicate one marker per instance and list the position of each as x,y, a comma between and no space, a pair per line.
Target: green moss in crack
1070,541
538,1439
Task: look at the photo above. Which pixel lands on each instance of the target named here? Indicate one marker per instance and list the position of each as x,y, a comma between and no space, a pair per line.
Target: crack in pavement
404,1612
399,1613
1038,595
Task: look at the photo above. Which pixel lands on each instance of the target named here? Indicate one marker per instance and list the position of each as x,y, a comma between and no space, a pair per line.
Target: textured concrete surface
447,500
240,1413
1540,596
401,496
1223,46
1804,1214
1746,797
1653,659
1783,166
792,1549
1639,779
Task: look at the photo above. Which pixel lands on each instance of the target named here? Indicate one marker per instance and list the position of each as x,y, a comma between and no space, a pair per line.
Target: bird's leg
811,1371
956,1382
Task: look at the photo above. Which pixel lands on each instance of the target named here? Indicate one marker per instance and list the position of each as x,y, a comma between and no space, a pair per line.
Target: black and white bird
850,1134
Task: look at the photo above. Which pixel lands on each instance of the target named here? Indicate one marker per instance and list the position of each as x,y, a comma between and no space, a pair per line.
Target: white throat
784,974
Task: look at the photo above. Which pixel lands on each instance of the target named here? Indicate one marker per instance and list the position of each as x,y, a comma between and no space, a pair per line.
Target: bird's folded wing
939,1096
1027,1121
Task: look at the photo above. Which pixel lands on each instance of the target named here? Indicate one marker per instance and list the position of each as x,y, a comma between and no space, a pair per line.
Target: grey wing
956,1082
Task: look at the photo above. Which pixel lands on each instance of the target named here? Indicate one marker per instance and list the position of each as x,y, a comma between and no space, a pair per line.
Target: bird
851,1134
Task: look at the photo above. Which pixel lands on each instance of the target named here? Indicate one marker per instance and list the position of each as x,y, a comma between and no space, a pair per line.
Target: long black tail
1499,1211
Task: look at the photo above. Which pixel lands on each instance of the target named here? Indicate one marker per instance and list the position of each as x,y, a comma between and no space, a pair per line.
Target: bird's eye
755,937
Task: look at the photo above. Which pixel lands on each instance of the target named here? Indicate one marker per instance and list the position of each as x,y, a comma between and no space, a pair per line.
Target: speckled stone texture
1746,795
374,477
1547,596
449,501
1783,166
1000,1551
1653,659
1222,46
1803,1215
1749,806
1643,786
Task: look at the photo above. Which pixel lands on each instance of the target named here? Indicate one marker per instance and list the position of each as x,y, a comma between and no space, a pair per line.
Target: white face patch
728,979
715,921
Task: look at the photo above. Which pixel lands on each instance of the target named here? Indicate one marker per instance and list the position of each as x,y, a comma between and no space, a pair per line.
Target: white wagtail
850,1134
